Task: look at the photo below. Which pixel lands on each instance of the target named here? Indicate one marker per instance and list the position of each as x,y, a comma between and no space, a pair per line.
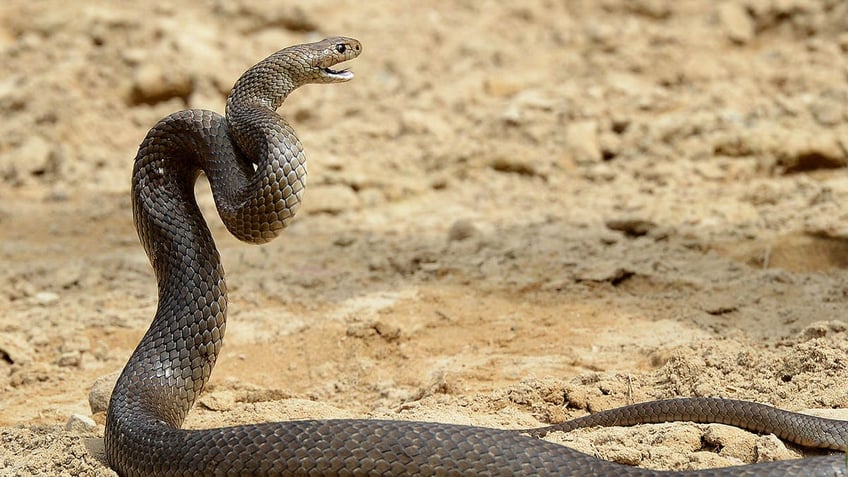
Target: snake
256,168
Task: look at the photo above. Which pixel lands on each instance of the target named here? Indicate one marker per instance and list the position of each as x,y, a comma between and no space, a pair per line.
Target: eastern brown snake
257,171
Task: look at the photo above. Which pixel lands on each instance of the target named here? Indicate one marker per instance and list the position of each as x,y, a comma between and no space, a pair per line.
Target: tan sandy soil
518,212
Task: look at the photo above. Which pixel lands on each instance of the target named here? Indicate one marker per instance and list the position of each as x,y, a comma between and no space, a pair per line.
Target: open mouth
343,74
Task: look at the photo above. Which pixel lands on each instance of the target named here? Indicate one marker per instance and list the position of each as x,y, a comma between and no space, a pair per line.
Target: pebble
516,111
151,84
631,227
14,350
292,18
45,298
601,172
515,164
502,88
735,21
461,230
828,108
344,241
420,122
70,359
604,271
59,193
35,157
512,115
68,276
803,151
331,199
582,143
80,424
656,9
101,392
534,99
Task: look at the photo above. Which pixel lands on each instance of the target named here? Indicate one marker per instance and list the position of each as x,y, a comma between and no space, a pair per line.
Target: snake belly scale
257,171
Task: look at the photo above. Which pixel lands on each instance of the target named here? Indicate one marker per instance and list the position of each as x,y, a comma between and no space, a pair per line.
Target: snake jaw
337,75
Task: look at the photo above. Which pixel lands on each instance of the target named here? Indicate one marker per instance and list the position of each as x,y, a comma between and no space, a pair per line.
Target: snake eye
341,47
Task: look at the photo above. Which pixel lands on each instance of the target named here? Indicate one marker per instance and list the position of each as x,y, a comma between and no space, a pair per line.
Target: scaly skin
257,170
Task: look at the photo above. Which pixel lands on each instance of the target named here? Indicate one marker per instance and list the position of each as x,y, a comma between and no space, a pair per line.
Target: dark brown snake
257,171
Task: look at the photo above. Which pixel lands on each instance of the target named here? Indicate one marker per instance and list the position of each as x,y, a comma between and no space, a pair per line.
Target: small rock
292,18
331,199
80,424
133,56
735,21
512,115
386,331
45,298
803,151
69,359
582,143
533,99
35,157
344,241
631,227
59,193
516,112
501,88
68,277
600,172
14,350
461,230
608,271
101,392
717,306
514,164
610,144
656,9
152,84
295,18
828,108
420,122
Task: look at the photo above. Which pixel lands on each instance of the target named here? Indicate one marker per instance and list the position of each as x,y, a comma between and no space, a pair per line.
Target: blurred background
516,212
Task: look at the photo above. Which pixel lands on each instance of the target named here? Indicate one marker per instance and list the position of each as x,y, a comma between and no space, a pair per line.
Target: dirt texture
517,213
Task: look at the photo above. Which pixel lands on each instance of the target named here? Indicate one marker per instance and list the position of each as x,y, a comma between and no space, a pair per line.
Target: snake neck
269,82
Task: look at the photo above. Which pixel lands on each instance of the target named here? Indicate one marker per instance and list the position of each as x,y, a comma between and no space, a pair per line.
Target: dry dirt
518,212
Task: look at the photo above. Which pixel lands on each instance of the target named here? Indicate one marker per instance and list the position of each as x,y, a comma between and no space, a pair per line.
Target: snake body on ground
257,171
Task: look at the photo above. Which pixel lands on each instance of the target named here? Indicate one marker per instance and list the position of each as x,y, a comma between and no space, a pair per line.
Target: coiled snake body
256,168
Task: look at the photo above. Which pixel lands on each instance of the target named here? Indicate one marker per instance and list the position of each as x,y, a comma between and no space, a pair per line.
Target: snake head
329,52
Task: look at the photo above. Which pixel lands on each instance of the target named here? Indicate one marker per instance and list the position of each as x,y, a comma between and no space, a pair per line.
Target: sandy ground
517,213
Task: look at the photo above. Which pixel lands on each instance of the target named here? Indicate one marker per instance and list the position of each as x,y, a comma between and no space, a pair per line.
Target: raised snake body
256,168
